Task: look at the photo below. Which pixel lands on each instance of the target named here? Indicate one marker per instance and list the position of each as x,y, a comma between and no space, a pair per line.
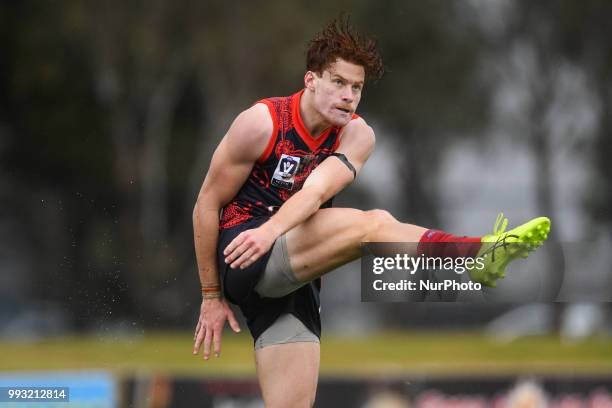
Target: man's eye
356,88
338,82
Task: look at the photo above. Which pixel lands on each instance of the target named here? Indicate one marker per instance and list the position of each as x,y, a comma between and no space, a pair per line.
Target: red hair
339,40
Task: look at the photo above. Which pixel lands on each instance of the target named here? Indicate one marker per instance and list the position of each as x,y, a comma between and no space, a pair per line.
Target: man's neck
313,121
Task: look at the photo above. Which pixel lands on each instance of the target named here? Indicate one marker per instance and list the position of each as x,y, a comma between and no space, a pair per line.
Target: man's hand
213,314
250,245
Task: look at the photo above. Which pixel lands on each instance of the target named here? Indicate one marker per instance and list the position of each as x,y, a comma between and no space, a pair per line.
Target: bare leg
288,374
333,237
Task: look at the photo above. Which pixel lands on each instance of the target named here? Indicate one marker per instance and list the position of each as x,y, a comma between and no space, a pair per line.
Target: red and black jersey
290,156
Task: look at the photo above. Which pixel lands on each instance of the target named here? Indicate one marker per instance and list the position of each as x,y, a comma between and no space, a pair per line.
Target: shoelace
498,229
500,220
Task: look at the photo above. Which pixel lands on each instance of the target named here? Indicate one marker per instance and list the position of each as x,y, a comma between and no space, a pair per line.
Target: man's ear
309,80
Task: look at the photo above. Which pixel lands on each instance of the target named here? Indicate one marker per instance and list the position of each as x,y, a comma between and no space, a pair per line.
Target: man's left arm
327,180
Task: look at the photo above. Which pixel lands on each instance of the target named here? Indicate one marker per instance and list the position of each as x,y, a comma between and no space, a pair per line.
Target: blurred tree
95,90
430,94
539,48
557,37
527,56
114,109
584,33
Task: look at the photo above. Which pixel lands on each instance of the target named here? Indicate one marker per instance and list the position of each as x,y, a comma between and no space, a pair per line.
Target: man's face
337,91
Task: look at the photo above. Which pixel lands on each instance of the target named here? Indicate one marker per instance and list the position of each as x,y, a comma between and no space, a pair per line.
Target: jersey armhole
266,153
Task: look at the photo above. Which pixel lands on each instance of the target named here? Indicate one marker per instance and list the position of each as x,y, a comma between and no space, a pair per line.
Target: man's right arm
230,166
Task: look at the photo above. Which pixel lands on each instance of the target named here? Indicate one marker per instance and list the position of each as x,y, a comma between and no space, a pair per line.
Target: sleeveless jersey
290,156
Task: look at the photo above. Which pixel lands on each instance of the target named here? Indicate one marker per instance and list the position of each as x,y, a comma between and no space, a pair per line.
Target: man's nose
347,94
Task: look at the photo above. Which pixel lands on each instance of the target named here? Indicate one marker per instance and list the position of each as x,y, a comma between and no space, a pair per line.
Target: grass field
405,353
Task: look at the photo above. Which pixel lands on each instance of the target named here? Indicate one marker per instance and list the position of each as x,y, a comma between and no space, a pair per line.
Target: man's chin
341,121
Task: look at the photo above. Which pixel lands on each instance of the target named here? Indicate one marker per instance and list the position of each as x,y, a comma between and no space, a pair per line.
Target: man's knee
288,373
374,220
297,394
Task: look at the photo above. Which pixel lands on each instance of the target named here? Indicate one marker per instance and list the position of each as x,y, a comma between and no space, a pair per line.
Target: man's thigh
328,239
288,374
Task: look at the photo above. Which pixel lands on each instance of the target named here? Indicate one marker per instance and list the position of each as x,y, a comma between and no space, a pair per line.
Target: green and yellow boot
501,248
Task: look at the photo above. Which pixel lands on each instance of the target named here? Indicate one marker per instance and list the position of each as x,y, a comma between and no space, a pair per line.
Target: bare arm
327,180
230,167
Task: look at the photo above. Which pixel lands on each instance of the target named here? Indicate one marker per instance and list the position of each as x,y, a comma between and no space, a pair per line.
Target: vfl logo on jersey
284,175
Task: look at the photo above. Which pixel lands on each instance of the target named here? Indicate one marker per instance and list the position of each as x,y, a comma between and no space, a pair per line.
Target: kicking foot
501,248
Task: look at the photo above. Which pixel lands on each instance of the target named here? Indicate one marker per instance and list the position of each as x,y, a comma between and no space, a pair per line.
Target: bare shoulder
250,132
358,131
239,149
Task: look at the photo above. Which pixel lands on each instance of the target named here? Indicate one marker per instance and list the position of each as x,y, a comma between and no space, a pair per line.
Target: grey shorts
286,329
278,279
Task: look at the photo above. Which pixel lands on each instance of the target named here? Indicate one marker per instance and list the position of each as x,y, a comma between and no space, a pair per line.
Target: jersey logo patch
284,175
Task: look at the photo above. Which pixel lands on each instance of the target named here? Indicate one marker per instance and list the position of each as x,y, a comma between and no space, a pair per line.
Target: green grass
405,353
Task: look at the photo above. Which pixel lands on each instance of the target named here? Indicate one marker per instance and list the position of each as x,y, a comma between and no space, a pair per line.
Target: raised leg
333,237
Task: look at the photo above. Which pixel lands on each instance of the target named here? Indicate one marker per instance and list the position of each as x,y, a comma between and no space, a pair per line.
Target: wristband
212,295
211,291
